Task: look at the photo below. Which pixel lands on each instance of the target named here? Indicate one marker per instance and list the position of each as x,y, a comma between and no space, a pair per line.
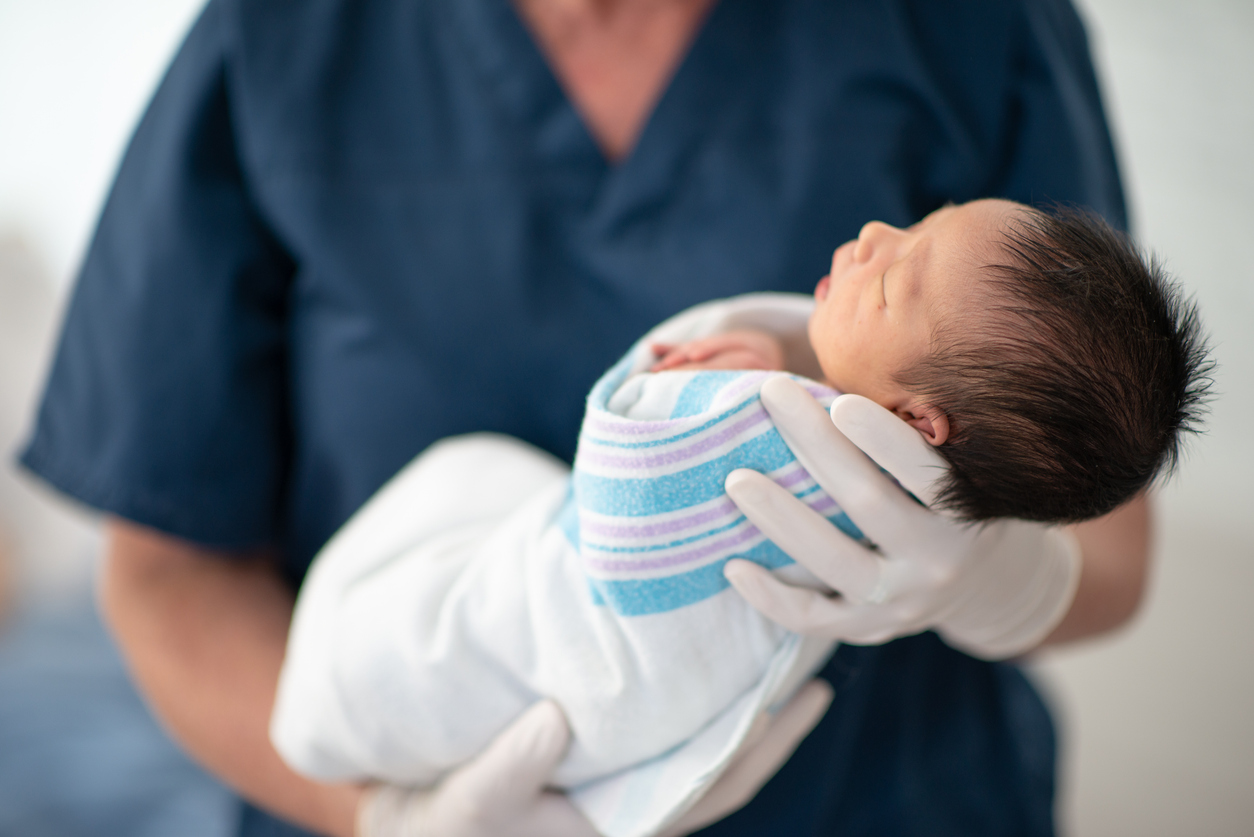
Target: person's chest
424,166
466,257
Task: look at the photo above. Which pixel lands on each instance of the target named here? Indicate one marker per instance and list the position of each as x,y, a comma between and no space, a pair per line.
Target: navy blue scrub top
347,228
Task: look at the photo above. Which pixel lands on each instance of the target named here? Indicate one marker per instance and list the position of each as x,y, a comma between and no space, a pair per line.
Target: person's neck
600,10
614,58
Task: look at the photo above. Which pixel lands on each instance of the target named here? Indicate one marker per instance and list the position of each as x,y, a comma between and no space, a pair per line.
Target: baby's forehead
965,265
978,229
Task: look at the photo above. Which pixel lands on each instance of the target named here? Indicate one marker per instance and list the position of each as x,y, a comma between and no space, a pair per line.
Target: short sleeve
1060,149
166,401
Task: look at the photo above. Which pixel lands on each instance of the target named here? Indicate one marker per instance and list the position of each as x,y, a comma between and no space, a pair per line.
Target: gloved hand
501,792
993,590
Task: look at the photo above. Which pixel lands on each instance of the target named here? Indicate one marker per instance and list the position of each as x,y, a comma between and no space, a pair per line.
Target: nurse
347,228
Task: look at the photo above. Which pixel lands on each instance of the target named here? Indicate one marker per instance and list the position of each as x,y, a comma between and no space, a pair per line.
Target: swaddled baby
1052,367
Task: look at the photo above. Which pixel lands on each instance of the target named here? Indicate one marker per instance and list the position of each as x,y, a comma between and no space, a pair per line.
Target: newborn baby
1052,367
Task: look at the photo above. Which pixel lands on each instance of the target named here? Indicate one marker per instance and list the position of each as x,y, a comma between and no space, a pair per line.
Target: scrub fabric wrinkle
346,229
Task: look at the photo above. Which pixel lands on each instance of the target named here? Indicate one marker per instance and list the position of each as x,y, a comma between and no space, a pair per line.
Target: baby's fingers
669,356
707,347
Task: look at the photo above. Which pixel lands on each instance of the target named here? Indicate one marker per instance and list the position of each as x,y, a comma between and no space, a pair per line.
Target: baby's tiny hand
734,350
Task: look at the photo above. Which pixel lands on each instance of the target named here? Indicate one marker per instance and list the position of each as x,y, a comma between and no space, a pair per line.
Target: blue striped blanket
647,510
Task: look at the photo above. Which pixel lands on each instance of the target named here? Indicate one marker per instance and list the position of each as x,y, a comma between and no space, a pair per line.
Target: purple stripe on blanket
758,416
750,532
818,391
595,420
822,504
731,393
799,474
631,427
750,380
604,422
722,509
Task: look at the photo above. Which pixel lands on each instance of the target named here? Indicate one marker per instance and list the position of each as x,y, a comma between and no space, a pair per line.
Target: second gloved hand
502,792
994,590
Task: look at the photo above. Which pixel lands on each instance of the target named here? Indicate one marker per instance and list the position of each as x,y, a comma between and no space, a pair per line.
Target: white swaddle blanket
484,577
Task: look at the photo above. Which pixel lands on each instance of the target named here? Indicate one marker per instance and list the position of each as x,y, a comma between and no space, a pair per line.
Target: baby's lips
820,290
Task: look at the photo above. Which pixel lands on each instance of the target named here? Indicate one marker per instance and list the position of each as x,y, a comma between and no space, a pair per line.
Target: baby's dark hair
1089,368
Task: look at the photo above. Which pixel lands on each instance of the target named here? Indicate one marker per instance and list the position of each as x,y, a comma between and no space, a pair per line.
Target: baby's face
877,309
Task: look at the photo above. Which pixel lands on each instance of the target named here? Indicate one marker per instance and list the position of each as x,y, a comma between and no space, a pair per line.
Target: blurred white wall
1159,720
1158,733
74,76
49,544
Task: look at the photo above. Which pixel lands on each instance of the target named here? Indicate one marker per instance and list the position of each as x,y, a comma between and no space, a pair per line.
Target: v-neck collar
504,50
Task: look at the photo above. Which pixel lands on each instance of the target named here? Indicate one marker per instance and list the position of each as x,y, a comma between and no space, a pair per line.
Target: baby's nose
873,235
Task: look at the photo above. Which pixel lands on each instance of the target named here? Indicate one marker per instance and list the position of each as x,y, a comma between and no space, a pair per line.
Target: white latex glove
501,792
993,590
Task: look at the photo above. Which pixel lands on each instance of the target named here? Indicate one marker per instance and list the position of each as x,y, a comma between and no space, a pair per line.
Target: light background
1158,733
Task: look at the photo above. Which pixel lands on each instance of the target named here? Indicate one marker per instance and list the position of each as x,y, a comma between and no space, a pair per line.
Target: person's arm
1114,566
203,635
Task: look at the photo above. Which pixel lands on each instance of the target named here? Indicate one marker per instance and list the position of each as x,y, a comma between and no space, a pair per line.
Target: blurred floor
6,579
79,754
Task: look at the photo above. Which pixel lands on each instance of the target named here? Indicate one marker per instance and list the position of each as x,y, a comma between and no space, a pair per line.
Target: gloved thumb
514,769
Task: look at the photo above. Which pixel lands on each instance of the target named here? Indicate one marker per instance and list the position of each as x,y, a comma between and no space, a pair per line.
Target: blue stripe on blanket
699,484
697,394
657,595
568,518
642,597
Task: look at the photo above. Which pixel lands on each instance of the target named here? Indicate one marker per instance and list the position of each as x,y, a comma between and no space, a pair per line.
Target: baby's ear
931,422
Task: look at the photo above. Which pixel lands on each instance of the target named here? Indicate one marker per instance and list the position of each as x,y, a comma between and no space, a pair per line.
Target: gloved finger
873,501
384,811
797,609
805,535
760,760
894,445
757,731
512,771
554,815
810,613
